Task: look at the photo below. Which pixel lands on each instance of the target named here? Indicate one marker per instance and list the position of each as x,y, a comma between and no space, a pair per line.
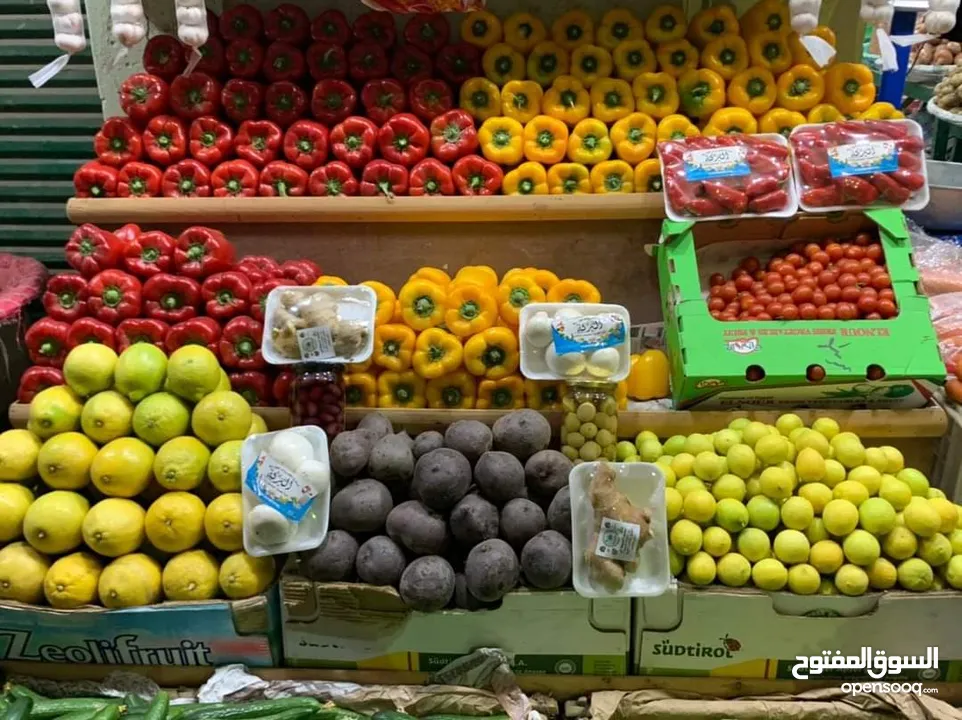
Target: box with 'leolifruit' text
721,363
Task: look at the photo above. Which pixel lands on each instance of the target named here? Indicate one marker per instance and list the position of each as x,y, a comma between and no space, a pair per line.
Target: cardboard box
712,361
184,633
753,634
360,626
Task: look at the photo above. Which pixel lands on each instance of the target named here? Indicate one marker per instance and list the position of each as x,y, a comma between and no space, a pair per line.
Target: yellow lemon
181,463
221,416
175,522
14,502
224,522
114,527
258,425
64,461
130,581
224,383
243,576
106,416
140,371
71,582
192,575
193,372
53,523
224,470
54,410
18,455
89,369
22,570
160,417
123,468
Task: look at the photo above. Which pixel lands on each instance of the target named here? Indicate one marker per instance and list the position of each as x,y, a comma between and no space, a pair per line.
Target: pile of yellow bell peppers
576,108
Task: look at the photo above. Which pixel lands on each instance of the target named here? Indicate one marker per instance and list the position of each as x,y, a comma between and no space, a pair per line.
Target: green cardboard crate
712,361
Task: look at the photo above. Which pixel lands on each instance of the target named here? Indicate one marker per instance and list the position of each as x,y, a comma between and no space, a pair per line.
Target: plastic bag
938,261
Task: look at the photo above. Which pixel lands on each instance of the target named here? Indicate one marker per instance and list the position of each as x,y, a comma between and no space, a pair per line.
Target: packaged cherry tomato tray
727,177
860,164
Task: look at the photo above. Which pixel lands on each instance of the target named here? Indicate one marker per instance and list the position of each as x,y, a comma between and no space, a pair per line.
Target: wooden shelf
642,206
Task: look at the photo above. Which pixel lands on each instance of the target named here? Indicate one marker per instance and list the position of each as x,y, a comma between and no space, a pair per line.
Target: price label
587,332
618,540
863,158
716,163
279,488
316,343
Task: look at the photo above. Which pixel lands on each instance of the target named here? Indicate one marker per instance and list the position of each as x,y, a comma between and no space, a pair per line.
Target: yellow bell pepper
329,280
521,100
712,23
481,28
568,179
850,87
770,51
398,317
656,94
393,347
824,113
632,58
502,140
634,138
574,291
753,89
523,31
547,61
422,304
573,29
385,301
589,143
702,92
621,395
800,54
435,275
528,178
619,25
492,353
545,140
567,100
480,97
766,16
666,24
780,120
648,377
483,275
454,391
676,127
360,390
611,100
727,56
502,64
504,394
516,292
677,57
882,111
648,176
543,395
731,121
471,309
436,352
590,63
800,88
400,390
361,367
545,278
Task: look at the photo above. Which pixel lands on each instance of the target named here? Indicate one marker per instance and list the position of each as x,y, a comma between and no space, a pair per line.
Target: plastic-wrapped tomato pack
727,176
860,163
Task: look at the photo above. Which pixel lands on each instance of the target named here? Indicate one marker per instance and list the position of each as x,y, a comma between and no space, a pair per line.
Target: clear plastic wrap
939,262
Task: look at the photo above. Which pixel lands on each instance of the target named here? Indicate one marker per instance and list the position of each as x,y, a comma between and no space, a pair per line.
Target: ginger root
302,309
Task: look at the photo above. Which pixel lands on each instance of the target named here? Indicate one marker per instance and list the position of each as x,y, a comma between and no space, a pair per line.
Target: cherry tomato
867,305
787,270
812,249
716,279
866,265
777,287
815,373
774,309
886,294
846,311
802,273
847,266
815,268
751,264
715,314
834,251
715,291
818,298
874,252
728,292
802,295
790,284
757,287
784,299
850,294
832,292
716,304
727,317
827,277
846,279
771,277
763,316
808,282
795,260
863,239
790,312
881,281
855,252
807,311
873,316
764,298
746,303
826,312
822,257
862,279
887,309
743,282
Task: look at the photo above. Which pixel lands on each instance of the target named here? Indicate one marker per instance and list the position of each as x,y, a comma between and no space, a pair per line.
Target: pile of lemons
125,487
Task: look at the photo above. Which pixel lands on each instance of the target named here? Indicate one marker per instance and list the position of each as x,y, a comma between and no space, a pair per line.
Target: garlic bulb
877,12
68,25
940,18
804,15
128,22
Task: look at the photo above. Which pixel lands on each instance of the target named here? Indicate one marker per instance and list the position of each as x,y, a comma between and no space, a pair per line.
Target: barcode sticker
618,540
316,343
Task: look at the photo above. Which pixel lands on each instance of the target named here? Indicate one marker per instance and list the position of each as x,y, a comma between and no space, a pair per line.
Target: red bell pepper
305,144
427,32
213,23
300,272
65,297
431,177
253,386
213,58
242,100
211,141
403,139
90,330
258,142
240,344
410,65
259,293
114,295
46,342
282,179
245,57
473,175
382,99
287,23
137,179
127,233
35,379
331,27
458,63
164,57
331,180
326,61
241,21
135,330
194,95
95,180
202,331
376,27
165,140
143,96
226,294
234,178
91,250
171,298
381,177
284,103
202,251
117,142
188,178
281,389
352,141
150,254
333,101
367,61
453,136
258,268
283,62
430,98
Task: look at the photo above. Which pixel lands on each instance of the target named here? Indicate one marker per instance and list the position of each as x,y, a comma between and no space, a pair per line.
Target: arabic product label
277,487
715,163
316,343
863,158
618,540
587,332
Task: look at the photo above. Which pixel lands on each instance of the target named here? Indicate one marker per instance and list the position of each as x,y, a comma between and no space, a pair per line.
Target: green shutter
45,133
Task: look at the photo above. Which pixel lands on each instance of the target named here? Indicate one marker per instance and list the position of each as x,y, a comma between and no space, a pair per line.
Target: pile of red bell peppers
280,105
147,286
